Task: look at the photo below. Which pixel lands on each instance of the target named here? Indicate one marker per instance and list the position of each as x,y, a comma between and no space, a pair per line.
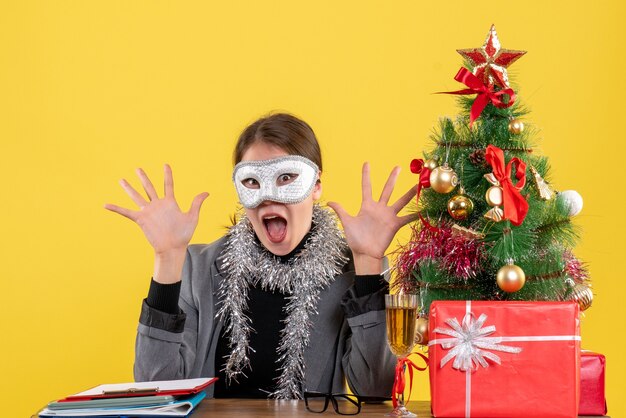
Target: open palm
166,227
370,232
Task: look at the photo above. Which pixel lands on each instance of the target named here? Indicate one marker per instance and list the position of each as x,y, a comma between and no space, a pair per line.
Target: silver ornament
573,200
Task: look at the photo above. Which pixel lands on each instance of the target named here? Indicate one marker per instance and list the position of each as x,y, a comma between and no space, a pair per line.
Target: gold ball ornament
460,207
421,331
516,126
443,179
430,164
511,278
583,295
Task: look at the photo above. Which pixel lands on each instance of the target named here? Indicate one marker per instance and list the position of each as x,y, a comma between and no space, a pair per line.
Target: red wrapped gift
592,397
504,359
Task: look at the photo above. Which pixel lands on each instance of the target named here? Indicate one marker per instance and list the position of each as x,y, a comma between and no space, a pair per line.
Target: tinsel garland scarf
246,262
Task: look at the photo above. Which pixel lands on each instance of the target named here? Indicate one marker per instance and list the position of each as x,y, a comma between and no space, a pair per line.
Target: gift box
504,359
592,397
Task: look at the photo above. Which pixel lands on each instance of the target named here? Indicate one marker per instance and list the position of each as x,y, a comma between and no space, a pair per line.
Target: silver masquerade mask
288,179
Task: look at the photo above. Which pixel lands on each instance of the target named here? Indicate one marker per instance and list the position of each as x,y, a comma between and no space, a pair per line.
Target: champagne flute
401,312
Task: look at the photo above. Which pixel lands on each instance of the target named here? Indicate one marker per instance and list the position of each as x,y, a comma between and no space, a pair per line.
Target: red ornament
490,61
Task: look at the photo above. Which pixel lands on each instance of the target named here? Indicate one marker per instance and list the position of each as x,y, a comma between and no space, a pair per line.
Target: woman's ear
317,189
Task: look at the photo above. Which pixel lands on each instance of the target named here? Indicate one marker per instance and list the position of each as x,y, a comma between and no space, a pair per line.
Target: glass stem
401,397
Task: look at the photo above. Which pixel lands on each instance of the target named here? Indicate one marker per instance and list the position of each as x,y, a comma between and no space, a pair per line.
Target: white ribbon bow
469,342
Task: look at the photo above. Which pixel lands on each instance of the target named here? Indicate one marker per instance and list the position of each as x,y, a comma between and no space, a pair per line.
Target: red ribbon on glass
399,382
515,205
486,93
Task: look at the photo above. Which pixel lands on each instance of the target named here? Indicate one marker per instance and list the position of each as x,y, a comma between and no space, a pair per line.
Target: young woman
282,303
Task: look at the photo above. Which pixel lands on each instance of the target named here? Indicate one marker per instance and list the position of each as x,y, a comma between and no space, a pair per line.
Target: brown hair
285,131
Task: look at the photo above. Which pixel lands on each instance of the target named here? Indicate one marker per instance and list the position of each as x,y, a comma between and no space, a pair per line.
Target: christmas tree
490,225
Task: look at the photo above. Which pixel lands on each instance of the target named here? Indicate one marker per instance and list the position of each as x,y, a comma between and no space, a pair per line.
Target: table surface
269,408
263,408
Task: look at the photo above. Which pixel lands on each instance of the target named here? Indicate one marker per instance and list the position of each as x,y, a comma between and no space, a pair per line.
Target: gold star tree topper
490,61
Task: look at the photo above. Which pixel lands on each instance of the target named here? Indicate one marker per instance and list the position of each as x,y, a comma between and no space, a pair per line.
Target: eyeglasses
343,403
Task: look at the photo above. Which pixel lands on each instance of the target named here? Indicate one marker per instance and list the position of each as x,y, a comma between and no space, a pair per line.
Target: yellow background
89,90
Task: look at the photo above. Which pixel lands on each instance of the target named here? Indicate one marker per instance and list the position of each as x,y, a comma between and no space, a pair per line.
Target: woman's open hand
370,232
167,228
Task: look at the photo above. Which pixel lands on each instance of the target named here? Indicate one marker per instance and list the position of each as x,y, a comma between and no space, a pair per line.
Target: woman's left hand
370,232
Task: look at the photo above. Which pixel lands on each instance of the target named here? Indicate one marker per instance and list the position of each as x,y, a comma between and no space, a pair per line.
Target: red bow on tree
515,205
417,167
486,93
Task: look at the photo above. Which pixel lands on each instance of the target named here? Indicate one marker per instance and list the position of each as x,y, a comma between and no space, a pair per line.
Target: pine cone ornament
477,158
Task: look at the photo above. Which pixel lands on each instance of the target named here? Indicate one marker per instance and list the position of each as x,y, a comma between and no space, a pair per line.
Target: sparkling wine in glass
401,321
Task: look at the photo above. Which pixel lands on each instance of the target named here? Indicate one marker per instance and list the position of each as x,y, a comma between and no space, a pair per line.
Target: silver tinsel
246,262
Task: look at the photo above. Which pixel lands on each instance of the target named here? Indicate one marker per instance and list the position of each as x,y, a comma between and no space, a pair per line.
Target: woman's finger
130,214
197,204
130,191
389,185
405,199
339,210
403,220
168,181
366,184
147,185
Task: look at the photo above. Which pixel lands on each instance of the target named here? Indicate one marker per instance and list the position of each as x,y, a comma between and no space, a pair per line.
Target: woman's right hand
166,227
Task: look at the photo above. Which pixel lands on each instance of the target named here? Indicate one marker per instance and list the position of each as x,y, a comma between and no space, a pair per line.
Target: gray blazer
183,346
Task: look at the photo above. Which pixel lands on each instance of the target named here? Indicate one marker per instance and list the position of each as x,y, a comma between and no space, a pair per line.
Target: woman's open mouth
276,228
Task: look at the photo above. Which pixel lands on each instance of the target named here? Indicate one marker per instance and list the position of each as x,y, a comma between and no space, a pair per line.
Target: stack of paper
170,398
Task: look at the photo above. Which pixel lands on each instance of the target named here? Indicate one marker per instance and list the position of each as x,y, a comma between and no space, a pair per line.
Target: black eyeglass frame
332,397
